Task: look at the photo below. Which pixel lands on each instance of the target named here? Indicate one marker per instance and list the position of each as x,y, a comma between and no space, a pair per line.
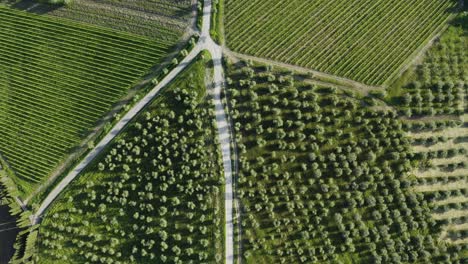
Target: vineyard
367,41
160,19
323,179
57,79
155,196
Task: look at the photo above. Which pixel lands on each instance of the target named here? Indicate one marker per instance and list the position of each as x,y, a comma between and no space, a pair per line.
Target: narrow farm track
450,214
224,132
440,186
453,199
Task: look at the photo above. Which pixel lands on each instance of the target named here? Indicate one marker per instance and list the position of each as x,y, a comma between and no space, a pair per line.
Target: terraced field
363,40
57,79
160,19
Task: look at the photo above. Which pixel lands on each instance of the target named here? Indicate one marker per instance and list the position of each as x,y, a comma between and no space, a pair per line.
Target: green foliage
57,80
433,93
154,196
322,178
217,21
367,41
200,14
438,85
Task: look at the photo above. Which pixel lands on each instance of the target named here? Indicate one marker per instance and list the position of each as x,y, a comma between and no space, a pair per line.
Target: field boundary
418,53
332,79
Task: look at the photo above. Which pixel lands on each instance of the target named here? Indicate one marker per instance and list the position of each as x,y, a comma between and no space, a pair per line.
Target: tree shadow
461,21
34,6
9,231
463,139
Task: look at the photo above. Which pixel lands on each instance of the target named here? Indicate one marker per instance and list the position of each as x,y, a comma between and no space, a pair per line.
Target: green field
154,196
160,19
57,80
364,40
323,178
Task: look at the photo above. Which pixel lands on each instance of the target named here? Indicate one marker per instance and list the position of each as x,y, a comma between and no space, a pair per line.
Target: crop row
118,39
362,40
377,47
57,80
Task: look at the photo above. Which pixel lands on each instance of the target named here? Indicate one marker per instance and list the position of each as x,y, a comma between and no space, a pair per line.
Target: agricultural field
432,98
160,19
323,178
366,41
155,195
438,85
443,177
234,131
57,80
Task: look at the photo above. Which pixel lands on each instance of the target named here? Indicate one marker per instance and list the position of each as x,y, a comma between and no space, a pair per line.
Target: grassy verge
217,20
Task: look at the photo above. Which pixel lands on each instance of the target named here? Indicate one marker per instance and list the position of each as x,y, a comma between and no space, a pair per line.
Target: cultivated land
438,84
289,167
57,79
160,19
322,178
367,41
154,196
432,97
183,106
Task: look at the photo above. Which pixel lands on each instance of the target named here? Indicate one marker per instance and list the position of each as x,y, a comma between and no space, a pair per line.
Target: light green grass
217,21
